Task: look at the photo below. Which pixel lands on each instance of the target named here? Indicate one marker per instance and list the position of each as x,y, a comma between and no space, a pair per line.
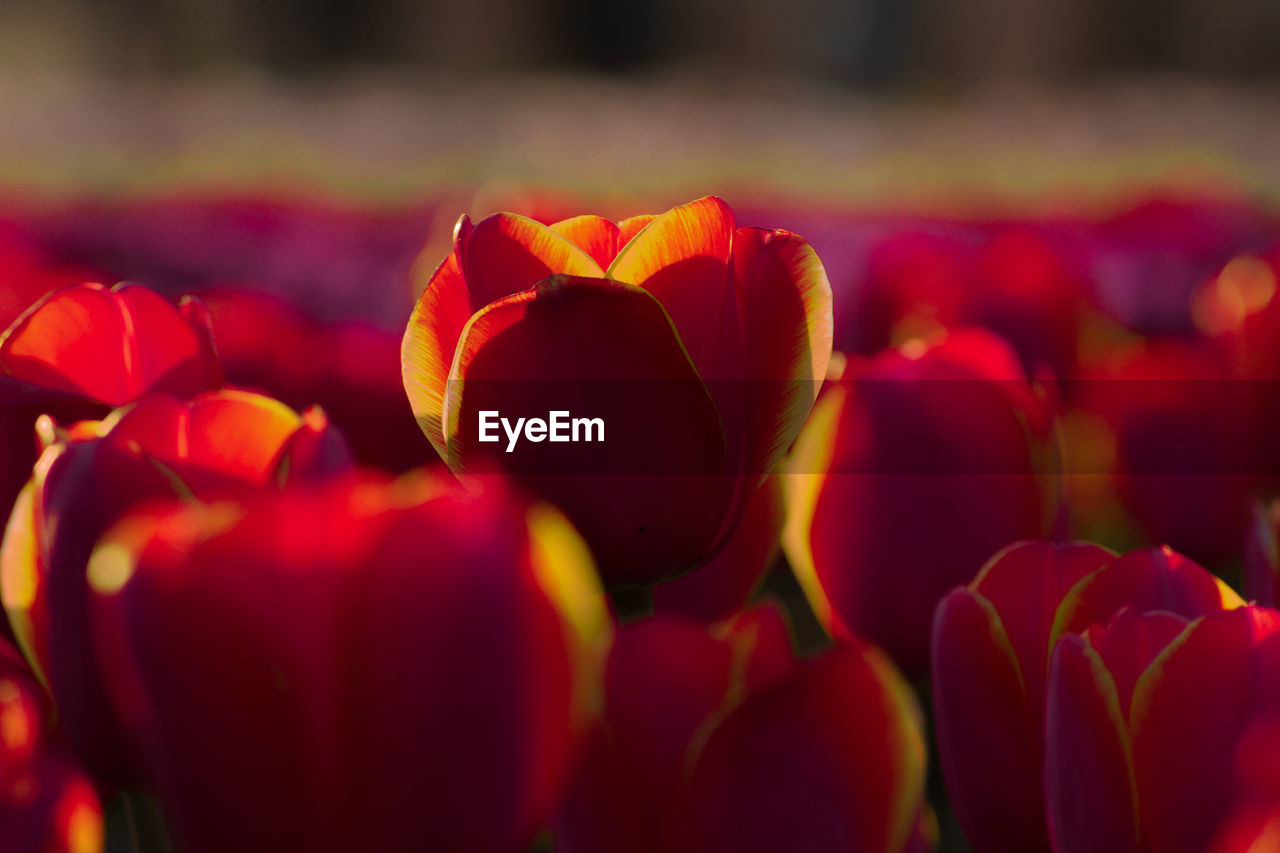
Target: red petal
786,302
215,440
683,258
669,683
1130,643
1189,710
1026,582
310,675
988,735
601,349
506,253
1089,794
1154,579
110,345
725,584
430,339
832,759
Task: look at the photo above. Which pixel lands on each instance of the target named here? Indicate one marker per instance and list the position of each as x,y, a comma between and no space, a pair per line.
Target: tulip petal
595,235
430,339
507,253
1154,579
1088,776
110,345
670,682
786,299
1025,583
802,485
988,739
725,584
1130,642
631,226
601,349
215,440
831,759
1189,709
683,258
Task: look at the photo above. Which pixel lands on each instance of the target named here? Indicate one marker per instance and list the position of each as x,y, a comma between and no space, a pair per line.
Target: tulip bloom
1019,281
721,740
219,442
991,644
47,804
914,469
1143,724
698,343
356,665
1181,438
85,349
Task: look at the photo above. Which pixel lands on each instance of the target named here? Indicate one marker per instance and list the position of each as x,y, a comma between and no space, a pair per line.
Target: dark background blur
865,43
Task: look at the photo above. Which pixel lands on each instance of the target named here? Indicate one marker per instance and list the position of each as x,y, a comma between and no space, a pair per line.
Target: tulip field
558,523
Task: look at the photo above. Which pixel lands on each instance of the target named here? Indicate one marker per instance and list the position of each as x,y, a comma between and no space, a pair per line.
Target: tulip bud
356,665
699,345
992,642
922,463
220,442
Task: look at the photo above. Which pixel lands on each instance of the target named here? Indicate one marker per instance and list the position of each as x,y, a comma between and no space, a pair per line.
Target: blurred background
893,101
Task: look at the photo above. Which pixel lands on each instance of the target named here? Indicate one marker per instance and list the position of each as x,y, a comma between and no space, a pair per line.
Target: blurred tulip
217,443
699,344
914,469
1182,439
1253,825
668,681
47,804
991,643
1015,280
353,666
1262,555
85,349
351,370
720,740
1143,722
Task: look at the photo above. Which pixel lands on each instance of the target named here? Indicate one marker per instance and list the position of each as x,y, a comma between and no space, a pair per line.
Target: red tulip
991,644
1016,280
1143,723
351,370
356,666
699,344
85,349
914,469
720,740
47,804
1180,439
219,442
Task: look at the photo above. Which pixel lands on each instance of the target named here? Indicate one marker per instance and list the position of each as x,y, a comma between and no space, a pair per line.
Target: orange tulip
699,344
